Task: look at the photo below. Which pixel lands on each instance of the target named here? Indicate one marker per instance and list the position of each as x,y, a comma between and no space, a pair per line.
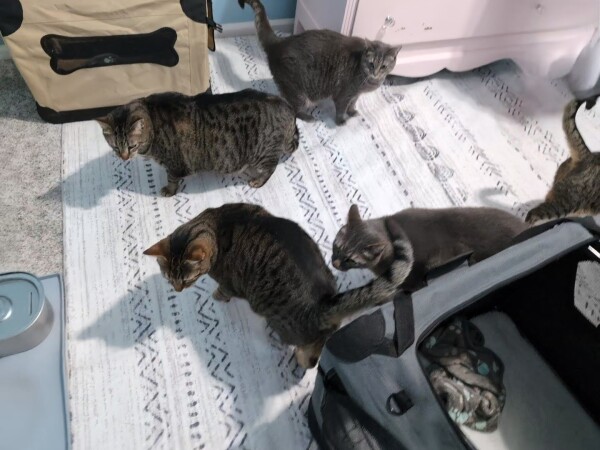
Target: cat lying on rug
319,64
402,248
245,131
576,188
267,260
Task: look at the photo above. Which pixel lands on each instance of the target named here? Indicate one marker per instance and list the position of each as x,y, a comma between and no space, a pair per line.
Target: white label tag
587,291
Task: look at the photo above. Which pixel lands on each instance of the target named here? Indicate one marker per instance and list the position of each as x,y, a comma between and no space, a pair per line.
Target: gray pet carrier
535,306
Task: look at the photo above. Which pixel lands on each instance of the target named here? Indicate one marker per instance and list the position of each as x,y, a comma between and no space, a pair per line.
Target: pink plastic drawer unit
544,37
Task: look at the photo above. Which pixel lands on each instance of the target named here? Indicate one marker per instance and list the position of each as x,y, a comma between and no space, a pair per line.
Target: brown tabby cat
576,187
244,131
319,64
267,260
401,249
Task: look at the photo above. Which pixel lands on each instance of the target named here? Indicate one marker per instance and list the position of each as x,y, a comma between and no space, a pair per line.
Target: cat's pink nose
337,263
178,287
124,156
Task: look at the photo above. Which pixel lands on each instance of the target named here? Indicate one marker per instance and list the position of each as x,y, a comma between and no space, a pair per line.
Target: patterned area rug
150,368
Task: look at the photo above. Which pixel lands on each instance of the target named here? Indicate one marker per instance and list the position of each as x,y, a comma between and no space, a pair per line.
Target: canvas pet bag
372,391
80,57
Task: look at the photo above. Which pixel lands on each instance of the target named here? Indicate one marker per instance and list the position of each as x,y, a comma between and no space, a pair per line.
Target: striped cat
246,131
576,187
267,260
402,248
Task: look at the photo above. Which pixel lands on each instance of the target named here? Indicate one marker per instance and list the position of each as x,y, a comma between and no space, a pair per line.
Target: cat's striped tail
266,35
577,146
295,139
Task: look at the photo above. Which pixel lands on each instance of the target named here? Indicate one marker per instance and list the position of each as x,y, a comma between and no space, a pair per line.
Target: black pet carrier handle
68,54
588,222
367,335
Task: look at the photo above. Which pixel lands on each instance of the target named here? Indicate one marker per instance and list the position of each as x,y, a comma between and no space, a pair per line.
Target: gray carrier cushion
372,365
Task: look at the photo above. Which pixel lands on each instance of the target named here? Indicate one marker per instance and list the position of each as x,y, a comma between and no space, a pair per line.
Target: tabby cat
576,187
268,260
319,64
245,131
401,249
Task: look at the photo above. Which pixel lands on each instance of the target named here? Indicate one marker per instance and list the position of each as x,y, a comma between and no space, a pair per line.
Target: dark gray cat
267,260
401,249
319,64
245,131
576,187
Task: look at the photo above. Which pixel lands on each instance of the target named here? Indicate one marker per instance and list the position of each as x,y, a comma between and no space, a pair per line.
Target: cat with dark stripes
319,64
401,249
576,187
246,131
269,261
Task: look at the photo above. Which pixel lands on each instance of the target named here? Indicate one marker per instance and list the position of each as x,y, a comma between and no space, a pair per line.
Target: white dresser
543,37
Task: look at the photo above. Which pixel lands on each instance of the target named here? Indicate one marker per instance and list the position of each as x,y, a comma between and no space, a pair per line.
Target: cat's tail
266,35
379,291
577,146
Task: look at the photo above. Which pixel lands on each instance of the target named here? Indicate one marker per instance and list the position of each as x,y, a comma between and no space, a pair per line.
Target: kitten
576,187
245,131
319,64
401,249
267,260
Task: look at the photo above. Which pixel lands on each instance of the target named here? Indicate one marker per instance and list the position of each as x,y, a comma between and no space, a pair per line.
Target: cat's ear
373,252
354,215
137,128
106,125
395,50
161,248
200,249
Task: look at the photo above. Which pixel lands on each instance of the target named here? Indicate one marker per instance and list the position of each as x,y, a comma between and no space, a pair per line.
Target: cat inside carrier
82,58
503,354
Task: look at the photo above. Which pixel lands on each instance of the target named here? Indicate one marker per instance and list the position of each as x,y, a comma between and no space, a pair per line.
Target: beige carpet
30,194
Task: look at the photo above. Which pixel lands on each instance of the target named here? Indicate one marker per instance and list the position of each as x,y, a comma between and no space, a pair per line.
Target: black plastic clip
214,25
398,403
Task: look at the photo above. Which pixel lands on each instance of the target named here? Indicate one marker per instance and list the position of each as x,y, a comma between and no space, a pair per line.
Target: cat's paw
305,117
257,182
530,218
168,191
220,296
538,216
305,359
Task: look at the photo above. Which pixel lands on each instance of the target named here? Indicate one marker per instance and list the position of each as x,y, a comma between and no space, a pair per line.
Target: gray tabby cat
245,131
319,64
576,187
267,260
401,249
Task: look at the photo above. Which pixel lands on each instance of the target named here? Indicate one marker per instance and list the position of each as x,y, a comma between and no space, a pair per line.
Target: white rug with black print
150,368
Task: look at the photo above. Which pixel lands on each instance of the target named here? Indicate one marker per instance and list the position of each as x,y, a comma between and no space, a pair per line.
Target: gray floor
30,194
